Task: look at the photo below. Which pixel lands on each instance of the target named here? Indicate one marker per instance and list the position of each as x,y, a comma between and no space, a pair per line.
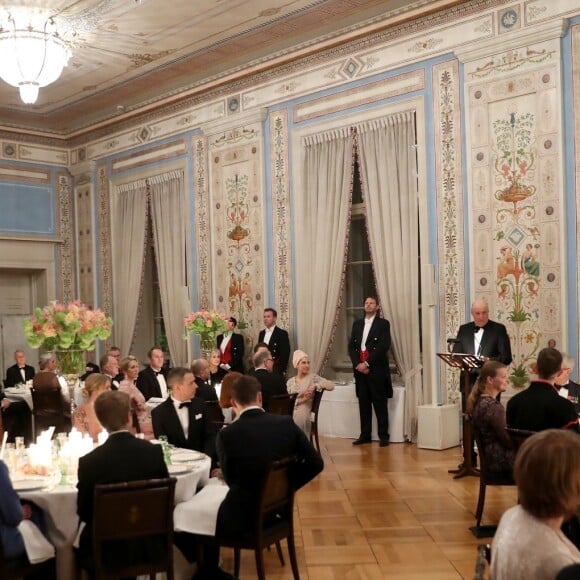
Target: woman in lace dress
85,419
305,384
130,369
488,415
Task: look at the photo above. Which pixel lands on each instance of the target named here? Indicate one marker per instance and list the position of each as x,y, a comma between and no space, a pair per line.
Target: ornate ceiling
130,56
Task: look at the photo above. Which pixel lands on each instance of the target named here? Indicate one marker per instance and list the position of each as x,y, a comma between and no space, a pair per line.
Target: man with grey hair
201,372
272,383
20,372
567,387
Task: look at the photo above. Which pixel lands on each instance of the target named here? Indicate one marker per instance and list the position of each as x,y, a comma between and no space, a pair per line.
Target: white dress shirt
268,334
224,342
366,330
182,414
477,336
162,383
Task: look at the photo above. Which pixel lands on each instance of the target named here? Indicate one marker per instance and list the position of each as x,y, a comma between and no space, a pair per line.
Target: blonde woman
216,373
305,384
85,419
130,370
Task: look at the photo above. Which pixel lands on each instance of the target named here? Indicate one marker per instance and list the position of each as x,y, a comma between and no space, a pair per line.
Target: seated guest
226,395
20,372
90,368
258,347
231,347
130,371
110,367
85,418
183,419
567,387
46,379
305,384
205,391
271,383
539,406
246,449
488,415
152,380
121,458
16,419
115,352
216,373
529,544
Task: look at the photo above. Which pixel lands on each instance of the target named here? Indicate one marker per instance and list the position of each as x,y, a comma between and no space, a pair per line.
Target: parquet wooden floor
391,512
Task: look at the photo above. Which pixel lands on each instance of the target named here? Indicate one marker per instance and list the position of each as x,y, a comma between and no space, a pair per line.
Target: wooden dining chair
132,531
281,404
316,400
18,568
273,521
518,436
50,409
487,476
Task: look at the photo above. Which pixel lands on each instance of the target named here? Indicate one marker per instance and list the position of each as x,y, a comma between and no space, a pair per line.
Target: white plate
30,484
178,469
186,456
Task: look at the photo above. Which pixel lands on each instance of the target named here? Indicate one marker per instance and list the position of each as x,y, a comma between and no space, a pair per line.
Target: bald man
483,337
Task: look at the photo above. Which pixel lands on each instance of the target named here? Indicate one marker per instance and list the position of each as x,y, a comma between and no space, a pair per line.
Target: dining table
58,500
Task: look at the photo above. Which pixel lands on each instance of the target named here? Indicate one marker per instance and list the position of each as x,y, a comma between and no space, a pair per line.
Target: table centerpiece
207,324
68,330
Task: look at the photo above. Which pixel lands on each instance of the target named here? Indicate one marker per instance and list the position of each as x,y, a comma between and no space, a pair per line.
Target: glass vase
71,365
206,345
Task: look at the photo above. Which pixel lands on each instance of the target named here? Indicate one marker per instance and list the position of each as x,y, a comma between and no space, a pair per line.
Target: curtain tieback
411,373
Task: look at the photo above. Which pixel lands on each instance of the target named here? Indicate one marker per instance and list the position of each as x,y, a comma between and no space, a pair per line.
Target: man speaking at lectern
483,337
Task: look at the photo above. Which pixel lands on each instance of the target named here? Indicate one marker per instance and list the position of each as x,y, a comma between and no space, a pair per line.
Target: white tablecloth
22,393
60,507
339,417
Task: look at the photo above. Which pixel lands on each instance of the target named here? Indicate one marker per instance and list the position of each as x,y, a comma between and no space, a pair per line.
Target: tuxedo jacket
245,450
574,394
204,391
201,433
279,346
272,384
378,344
121,458
540,407
495,342
13,376
148,384
237,342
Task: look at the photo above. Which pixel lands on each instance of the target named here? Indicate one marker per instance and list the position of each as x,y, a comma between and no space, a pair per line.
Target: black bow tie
477,328
157,373
187,404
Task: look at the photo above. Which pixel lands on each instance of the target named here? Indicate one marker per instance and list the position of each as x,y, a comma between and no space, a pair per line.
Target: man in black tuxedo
540,406
183,419
231,345
246,449
271,383
201,373
20,372
121,458
152,380
567,387
277,340
110,368
368,348
483,337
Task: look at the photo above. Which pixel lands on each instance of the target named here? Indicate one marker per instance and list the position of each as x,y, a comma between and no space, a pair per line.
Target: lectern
465,362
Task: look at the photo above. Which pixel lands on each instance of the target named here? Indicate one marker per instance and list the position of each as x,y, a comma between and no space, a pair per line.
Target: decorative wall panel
447,115
105,259
85,236
236,216
515,190
65,219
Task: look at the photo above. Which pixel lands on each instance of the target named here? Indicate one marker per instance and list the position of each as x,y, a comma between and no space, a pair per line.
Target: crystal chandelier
31,56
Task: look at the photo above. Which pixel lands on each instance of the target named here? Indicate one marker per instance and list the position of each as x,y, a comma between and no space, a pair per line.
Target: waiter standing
368,348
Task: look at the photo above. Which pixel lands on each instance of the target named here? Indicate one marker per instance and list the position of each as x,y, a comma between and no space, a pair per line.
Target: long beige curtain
321,225
169,218
129,226
387,158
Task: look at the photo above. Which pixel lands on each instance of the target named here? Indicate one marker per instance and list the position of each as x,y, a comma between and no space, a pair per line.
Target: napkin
38,548
198,515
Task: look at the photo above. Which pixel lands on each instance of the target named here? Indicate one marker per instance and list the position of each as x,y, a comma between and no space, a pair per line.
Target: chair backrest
135,510
518,436
483,463
47,402
281,404
277,494
316,400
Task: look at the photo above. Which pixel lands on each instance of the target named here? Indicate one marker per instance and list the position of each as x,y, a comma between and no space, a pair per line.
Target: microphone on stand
451,342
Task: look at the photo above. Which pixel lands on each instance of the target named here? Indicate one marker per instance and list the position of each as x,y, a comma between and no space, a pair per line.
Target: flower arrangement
207,324
67,329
